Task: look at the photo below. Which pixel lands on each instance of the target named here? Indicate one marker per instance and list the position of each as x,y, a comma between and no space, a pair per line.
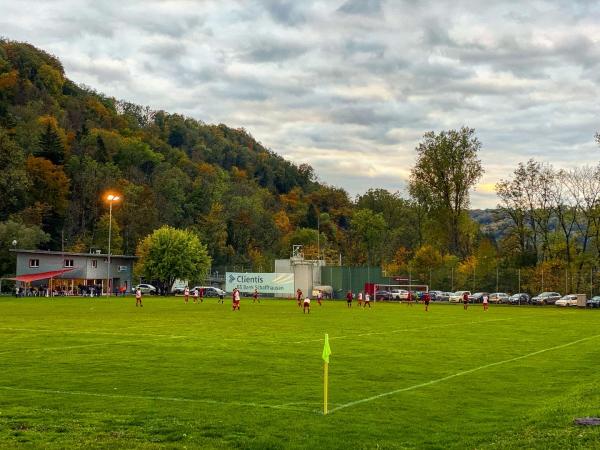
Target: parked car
499,297
145,288
477,297
399,294
593,302
209,291
457,297
434,295
383,295
519,299
546,298
443,296
567,300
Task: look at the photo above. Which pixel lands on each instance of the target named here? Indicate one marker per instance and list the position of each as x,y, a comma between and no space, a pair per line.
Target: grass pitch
82,372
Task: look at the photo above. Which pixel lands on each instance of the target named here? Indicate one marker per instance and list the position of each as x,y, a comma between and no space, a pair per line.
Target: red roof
40,276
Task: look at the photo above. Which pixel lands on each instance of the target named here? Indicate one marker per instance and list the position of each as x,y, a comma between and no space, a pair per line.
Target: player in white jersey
367,300
186,294
306,305
138,297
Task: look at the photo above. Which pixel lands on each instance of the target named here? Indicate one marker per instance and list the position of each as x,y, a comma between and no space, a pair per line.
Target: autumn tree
14,181
447,168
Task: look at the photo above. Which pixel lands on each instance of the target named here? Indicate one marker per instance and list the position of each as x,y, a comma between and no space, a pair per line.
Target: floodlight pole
109,237
111,198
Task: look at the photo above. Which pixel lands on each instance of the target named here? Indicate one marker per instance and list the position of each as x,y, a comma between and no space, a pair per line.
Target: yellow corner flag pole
326,353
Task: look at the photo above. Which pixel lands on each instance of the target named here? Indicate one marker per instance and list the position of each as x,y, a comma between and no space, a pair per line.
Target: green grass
100,373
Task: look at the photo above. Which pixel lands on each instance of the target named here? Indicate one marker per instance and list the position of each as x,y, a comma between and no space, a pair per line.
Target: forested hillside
62,146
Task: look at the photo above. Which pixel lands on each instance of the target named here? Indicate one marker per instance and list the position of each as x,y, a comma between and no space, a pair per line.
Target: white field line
458,374
97,344
403,330
258,338
154,398
99,332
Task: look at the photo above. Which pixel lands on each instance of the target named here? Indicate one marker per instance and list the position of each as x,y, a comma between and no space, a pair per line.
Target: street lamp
111,198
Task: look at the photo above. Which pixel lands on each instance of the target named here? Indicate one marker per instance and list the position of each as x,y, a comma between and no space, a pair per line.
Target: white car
499,297
209,291
145,289
457,297
567,300
399,294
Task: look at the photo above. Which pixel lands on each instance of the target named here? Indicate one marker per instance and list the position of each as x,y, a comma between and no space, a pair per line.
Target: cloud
361,7
347,86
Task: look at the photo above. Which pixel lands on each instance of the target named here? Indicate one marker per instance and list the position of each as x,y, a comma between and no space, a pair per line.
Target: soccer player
319,297
349,299
221,299
196,295
367,300
255,296
236,299
426,300
186,294
409,298
359,297
299,297
465,300
138,297
306,305
486,304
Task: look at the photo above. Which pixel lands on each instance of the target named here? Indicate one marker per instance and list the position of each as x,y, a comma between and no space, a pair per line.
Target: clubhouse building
71,273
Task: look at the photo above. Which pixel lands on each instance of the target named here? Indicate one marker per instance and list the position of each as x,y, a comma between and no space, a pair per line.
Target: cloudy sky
348,86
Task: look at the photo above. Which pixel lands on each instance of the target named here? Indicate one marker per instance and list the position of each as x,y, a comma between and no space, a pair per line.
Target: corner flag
326,349
326,353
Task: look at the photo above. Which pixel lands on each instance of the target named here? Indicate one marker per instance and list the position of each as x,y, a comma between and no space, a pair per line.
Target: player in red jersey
409,298
426,299
255,296
201,295
349,299
465,300
299,297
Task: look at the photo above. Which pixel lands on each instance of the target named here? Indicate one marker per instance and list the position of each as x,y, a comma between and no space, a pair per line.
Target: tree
369,228
169,254
447,168
51,146
13,182
101,236
27,237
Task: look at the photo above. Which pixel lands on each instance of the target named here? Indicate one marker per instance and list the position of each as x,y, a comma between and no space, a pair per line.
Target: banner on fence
265,283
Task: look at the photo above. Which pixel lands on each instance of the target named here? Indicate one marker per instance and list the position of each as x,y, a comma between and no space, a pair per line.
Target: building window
122,268
69,263
34,263
94,263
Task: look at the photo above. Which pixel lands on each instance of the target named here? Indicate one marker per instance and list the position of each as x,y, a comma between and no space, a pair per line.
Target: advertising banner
265,283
